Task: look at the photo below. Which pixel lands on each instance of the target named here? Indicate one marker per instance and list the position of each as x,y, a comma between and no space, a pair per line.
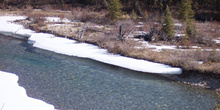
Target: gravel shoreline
198,79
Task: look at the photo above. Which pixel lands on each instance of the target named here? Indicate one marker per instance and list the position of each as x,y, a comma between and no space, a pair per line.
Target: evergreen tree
185,10
61,3
146,15
137,8
133,14
168,27
185,37
114,9
190,30
170,1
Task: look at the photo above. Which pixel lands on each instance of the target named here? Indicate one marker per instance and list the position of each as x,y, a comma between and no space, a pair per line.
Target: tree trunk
82,31
106,3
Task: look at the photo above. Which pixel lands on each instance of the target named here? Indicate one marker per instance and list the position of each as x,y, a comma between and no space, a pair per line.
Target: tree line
187,10
204,9
213,5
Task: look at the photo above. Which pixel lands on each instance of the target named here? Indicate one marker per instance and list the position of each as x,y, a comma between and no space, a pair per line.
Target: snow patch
217,41
140,32
57,19
179,35
157,47
7,26
14,97
178,24
138,26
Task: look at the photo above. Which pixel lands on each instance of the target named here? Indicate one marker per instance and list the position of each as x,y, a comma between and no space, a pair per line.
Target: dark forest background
205,10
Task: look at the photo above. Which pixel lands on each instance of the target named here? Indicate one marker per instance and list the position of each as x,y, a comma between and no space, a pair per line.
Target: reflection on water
76,83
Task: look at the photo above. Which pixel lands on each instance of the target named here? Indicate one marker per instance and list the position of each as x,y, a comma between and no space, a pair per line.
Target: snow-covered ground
179,35
56,19
157,47
14,97
217,40
178,25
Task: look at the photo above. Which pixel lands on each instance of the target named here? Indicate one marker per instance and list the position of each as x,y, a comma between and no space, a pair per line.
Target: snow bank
56,19
14,97
6,25
217,40
72,48
157,48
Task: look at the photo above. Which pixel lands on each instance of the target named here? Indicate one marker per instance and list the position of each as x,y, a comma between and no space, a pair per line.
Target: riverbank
73,48
195,78
203,57
157,52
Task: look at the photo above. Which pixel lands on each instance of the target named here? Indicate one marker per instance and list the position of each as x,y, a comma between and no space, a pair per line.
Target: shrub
119,47
47,8
214,55
127,27
38,20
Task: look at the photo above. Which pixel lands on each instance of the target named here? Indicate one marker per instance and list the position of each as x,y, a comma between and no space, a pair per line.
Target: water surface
82,84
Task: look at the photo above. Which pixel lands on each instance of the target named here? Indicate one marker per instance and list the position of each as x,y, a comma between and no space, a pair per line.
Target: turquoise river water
72,83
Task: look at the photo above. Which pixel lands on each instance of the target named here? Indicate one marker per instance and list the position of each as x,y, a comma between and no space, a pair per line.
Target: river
72,83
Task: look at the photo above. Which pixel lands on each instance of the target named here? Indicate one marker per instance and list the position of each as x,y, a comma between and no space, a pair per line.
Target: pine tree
62,3
170,1
133,14
185,39
185,10
145,15
114,9
191,30
168,27
137,8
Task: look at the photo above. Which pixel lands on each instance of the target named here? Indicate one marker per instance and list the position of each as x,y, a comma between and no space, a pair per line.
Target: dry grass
87,14
121,47
207,31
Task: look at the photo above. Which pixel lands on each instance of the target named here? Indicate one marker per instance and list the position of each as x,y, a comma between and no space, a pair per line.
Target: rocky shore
195,78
